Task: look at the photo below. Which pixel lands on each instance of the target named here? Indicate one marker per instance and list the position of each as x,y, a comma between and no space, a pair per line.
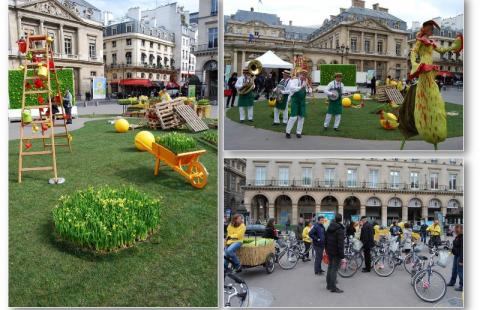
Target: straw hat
431,22
287,72
338,74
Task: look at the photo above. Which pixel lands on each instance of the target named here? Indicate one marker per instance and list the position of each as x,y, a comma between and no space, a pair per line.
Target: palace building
381,189
234,176
76,29
370,38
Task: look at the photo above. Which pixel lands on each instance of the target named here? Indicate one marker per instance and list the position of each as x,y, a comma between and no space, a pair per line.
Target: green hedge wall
15,87
349,74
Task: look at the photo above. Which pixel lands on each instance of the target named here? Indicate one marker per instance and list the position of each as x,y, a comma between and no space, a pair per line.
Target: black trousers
367,254
318,258
232,97
332,272
68,113
307,249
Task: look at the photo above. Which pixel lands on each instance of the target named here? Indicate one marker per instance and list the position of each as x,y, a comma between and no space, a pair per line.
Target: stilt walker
423,110
334,92
298,94
245,86
282,99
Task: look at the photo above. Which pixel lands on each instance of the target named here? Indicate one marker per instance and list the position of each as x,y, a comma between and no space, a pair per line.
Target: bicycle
412,260
384,265
426,281
286,256
236,292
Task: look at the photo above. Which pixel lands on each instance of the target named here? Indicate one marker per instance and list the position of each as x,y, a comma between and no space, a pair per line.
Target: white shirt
240,81
294,85
332,85
285,90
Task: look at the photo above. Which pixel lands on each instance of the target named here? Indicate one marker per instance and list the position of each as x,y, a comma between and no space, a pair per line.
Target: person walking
269,85
246,99
67,105
435,231
298,93
317,234
457,251
407,237
396,231
367,238
307,241
233,91
282,105
373,86
334,245
235,233
423,232
299,228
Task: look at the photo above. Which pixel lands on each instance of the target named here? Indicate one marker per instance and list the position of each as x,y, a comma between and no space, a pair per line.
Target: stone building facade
133,50
372,39
77,36
234,180
381,189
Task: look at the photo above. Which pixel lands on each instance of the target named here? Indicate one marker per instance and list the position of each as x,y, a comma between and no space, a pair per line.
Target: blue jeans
457,270
230,252
423,236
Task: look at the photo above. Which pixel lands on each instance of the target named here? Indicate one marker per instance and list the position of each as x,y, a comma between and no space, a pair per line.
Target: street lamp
343,51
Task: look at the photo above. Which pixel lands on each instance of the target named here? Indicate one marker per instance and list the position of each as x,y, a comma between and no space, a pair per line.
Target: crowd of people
329,238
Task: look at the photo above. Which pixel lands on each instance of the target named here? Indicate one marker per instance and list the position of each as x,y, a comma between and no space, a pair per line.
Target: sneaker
336,290
459,289
336,129
250,120
238,269
275,124
299,135
288,136
451,284
365,270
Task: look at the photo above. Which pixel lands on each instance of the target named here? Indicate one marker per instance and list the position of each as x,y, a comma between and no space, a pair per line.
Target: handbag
325,258
442,259
227,92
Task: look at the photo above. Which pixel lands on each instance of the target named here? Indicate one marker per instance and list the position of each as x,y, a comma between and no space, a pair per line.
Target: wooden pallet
195,123
167,117
381,94
394,95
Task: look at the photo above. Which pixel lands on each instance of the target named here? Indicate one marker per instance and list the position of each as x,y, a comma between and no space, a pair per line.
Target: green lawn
176,267
356,123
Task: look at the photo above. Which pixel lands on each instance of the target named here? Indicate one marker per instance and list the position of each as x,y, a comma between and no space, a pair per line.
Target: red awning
172,84
445,74
136,82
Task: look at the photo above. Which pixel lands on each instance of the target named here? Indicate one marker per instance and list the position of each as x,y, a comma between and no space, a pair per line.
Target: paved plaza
244,137
299,287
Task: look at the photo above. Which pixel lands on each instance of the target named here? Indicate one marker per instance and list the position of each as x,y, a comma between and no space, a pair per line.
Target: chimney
376,6
358,4
251,9
383,9
289,22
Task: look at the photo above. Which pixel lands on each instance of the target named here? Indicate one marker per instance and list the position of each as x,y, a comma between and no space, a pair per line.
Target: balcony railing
139,65
345,185
204,48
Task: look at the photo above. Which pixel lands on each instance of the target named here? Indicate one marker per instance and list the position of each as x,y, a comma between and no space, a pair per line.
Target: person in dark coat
335,244
351,229
373,86
457,251
269,85
317,234
231,85
423,232
396,231
299,228
366,236
270,231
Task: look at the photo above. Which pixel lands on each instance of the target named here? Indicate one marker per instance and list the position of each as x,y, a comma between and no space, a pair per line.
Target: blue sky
120,7
314,12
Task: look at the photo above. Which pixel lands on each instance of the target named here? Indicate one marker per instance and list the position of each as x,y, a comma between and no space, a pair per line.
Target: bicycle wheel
269,263
288,259
384,266
430,286
410,262
348,269
359,259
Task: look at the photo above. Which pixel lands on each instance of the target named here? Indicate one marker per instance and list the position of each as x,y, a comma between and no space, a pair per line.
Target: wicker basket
254,256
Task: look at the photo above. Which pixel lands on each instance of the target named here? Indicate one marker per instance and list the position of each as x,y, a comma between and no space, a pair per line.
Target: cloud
314,12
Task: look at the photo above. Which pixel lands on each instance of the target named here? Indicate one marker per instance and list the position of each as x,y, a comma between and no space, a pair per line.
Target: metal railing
204,48
339,184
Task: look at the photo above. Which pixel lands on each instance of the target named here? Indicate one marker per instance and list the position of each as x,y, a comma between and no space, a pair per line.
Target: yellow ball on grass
121,125
144,140
346,102
357,97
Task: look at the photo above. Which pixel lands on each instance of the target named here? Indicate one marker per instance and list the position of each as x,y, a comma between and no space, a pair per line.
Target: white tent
271,61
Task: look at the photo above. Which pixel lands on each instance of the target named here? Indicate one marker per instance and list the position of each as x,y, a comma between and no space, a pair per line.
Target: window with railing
398,49
380,47
351,177
433,180
213,37
373,178
452,182
129,42
114,59
394,179
329,177
307,176
260,175
414,180
353,44
68,45
367,46
92,50
128,58
213,7
283,176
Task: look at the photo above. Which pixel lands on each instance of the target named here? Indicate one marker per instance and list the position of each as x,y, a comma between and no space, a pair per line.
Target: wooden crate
394,95
195,123
381,94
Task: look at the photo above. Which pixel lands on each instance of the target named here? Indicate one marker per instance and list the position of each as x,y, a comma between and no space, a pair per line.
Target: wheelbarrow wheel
270,263
198,174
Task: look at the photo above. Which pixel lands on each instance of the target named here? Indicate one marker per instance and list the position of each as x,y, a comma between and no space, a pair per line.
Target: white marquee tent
271,61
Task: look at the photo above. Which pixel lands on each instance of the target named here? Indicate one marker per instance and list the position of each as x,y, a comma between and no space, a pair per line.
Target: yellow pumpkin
346,102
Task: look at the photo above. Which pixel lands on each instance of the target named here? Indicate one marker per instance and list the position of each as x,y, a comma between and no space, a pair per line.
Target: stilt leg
435,146
402,145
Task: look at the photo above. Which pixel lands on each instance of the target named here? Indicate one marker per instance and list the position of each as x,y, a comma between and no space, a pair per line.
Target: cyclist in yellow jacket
235,233
307,241
435,231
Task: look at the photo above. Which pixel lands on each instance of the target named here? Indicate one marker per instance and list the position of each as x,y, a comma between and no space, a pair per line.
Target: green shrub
349,74
211,137
127,101
15,87
106,219
177,142
203,102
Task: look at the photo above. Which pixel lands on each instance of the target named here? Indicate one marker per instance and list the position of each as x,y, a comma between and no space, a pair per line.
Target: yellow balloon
144,140
357,97
121,125
346,102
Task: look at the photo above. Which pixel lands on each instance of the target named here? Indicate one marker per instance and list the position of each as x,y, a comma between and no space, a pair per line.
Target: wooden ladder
46,121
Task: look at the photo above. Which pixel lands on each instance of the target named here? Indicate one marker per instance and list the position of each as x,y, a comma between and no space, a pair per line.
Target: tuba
254,68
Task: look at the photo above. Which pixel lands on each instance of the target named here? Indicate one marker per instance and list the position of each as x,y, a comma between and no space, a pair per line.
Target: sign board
355,218
191,90
99,88
329,216
283,217
228,70
370,75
